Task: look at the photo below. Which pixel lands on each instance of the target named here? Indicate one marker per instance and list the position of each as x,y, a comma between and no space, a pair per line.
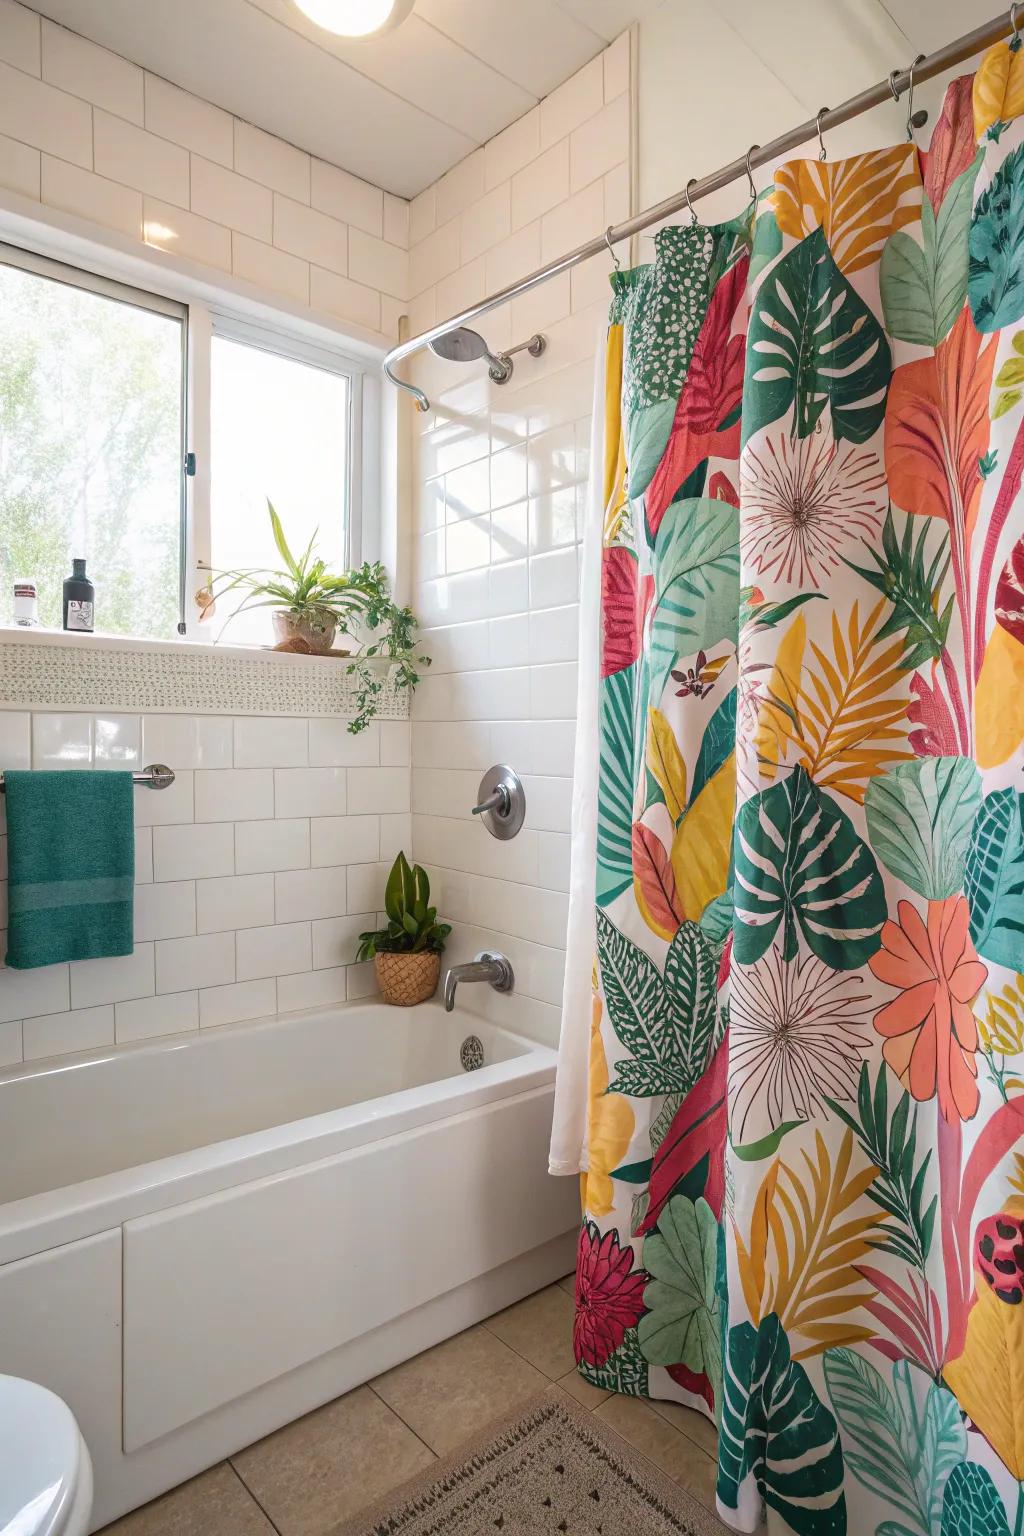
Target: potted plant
309,606
407,953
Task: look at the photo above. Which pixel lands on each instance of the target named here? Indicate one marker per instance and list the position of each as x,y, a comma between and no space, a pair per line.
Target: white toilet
45,1470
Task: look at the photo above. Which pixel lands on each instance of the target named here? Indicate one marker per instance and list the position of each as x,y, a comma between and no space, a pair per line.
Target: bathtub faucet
486,967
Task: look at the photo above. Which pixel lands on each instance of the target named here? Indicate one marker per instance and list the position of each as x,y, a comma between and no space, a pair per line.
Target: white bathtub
203,1237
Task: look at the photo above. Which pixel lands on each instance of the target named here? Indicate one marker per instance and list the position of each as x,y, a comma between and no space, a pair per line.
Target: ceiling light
356,18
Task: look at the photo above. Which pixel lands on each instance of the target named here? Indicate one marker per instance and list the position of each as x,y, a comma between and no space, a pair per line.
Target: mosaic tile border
198,681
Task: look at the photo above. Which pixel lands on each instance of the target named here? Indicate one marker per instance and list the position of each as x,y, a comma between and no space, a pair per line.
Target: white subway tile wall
88,132
255,872
498,494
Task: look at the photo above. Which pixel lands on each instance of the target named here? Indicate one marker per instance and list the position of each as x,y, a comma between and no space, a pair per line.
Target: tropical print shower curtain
804,1205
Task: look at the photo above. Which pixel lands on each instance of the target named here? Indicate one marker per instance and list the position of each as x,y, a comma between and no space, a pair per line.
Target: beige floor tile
540,1329
583,1391
667,1447
316,1472
693,1424
213,1504
454,1390
568,1284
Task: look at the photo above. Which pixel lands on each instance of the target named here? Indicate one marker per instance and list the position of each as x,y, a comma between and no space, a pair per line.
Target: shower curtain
804,1199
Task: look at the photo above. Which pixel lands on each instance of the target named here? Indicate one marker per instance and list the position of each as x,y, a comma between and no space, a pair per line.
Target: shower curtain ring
910,97
611,249
750,174
1015,41
892,83
822,152
691,183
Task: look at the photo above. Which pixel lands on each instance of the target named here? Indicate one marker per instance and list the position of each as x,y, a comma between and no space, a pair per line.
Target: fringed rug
552,1468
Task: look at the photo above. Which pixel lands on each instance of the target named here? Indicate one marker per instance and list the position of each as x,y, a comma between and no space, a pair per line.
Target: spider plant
304,588
357,601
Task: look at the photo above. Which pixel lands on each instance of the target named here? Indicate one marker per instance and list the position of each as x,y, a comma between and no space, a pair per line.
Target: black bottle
79,598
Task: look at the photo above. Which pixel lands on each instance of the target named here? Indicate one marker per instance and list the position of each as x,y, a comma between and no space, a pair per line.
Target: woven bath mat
552,1468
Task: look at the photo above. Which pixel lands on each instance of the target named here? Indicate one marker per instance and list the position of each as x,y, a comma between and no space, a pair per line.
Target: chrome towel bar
155,776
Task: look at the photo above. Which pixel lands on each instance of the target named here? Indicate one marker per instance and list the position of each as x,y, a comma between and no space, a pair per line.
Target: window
279,429
147,434
91,408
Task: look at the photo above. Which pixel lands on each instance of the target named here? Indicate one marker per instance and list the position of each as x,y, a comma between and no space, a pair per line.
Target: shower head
465,346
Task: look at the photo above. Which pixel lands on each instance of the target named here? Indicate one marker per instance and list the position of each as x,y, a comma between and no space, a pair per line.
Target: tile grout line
436,1454
230,1462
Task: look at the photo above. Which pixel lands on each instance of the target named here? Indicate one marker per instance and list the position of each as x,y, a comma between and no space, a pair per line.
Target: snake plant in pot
407,953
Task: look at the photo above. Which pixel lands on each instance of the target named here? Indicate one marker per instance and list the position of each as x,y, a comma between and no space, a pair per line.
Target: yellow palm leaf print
858,202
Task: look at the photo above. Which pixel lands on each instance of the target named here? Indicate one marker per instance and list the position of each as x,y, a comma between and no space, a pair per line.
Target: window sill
98,641
46,668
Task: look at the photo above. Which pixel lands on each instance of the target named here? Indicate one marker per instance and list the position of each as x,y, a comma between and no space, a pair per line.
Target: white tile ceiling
398,110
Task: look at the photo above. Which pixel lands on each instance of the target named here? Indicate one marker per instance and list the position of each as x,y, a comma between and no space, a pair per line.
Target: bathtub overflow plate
471,1053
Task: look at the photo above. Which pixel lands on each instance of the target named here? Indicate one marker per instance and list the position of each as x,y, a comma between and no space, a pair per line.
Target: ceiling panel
507,37
423,67
931,25
233,54
610,17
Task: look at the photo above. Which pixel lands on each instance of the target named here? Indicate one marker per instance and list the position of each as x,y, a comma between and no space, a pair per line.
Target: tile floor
307,1478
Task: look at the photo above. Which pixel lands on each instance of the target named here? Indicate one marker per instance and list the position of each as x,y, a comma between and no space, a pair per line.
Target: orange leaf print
930,1032
654,883
936,429
858,202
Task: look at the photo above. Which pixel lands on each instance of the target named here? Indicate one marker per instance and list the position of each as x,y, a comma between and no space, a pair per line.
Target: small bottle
79,598
26,609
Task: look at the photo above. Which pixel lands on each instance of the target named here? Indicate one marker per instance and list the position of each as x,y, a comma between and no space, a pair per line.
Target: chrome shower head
465,346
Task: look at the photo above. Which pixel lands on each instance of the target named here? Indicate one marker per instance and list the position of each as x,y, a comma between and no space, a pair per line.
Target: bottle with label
79,598
26,611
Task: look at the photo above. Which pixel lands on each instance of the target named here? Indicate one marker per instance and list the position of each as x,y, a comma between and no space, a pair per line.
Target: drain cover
471,1053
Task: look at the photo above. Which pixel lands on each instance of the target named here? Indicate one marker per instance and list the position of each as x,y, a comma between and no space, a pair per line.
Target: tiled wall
84,130
255,871
498,500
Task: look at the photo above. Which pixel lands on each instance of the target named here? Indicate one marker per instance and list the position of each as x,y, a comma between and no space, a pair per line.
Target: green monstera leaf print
774,1425
920,817
615,801
994,879
667,1023
996,278
813,342
924,286
801,866
681,1325
972,1505
903,1444
696,584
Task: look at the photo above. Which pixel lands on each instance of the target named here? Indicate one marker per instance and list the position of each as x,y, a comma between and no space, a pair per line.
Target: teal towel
71,866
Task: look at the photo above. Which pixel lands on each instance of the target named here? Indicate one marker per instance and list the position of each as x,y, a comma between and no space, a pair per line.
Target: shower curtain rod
831,117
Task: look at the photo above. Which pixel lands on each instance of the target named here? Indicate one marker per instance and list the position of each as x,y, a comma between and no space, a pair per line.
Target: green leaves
617,726
812,342
774,1426
924,286
696,575
681,1324
890,1142
412,921
901,575
994,878
920,815
996,276
691,977
801,866
666,1023
973,1505
902,1444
